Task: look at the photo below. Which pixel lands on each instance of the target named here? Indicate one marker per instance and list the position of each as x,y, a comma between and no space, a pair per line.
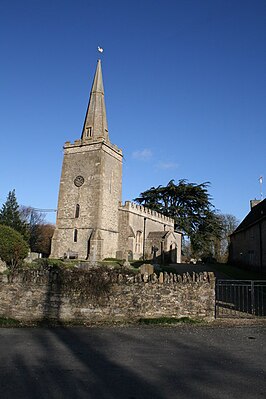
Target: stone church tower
90,188
92,223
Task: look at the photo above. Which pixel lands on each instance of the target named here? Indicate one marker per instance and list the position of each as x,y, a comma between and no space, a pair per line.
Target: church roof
95,124
157,234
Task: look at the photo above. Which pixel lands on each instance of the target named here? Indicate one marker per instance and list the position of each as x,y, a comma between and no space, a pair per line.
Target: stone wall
100,296
141,210
99,164
134,219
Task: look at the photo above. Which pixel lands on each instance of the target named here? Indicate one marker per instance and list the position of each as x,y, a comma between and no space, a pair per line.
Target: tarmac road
133,362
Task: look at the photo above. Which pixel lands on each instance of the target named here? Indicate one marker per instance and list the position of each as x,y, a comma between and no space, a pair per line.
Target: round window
78,181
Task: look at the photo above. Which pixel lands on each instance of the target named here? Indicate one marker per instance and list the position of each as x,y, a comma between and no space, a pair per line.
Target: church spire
95,124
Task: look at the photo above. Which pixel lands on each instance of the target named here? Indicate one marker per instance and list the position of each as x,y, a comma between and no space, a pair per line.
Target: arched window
75,235
77,211
173,252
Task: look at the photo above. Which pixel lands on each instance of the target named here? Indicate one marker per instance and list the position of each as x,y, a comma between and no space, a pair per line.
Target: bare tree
34,221
229,224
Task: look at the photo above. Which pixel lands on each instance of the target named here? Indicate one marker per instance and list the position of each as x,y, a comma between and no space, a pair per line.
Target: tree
190,206
39,232
229,224
13,248
10,214
205,239
33,221
46,232
29,222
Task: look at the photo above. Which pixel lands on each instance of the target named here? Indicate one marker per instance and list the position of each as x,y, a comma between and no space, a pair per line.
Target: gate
240,298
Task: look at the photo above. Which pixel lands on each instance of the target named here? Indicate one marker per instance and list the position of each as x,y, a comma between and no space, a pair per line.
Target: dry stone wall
97,296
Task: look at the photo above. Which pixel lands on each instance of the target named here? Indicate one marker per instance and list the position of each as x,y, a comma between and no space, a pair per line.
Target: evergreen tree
13,248
190,206
10,214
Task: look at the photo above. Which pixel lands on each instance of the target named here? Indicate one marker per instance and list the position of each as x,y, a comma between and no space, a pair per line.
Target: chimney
254,203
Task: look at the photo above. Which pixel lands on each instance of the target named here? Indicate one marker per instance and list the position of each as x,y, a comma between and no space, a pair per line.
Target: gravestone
126,262
146,268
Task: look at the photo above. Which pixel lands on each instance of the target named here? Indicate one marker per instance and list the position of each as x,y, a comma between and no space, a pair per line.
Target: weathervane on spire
100,49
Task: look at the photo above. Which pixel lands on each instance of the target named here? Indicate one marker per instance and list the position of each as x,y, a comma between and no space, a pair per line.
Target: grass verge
168,320
8,322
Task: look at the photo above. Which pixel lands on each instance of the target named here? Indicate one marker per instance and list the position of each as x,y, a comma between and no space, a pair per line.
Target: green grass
6,272
113,263
237,273
168,320
233,272
168,269
8,322
118,266
138,263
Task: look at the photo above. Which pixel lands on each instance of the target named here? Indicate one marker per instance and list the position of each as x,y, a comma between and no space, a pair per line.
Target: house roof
257,213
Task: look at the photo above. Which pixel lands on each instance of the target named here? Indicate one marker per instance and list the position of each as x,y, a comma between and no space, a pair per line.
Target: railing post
252,298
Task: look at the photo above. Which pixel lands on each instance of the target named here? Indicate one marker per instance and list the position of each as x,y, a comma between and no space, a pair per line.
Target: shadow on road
53,298
131,363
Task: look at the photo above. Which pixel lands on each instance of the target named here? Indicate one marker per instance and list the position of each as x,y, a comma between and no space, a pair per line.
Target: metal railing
240,298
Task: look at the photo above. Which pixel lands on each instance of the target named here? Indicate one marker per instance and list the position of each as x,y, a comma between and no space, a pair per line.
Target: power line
44,210
41,209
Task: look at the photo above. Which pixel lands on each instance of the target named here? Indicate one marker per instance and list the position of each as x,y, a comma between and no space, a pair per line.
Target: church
92,223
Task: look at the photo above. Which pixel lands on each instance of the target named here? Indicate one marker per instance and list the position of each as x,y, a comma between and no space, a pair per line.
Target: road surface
133,362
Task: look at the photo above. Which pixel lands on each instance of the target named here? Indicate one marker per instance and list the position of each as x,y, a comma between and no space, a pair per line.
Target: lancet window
139,242
77,211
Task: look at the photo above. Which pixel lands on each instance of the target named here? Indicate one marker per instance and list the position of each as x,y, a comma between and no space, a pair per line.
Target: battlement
145,212
81,143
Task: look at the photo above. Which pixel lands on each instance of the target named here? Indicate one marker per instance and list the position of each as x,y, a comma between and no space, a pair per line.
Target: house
248,241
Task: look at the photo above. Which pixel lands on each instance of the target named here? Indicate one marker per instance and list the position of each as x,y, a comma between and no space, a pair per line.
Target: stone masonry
91,222
159,233
74,295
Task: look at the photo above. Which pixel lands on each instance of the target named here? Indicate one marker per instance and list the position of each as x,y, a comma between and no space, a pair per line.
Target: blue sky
185,89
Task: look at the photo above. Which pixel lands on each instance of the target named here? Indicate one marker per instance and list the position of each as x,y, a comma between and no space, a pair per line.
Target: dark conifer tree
190,206
10,214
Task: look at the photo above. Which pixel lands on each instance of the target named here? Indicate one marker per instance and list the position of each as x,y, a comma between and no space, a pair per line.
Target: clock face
78,181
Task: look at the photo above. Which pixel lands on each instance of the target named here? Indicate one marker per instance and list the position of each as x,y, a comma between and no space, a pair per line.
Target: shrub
13,248
8,322
48,264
